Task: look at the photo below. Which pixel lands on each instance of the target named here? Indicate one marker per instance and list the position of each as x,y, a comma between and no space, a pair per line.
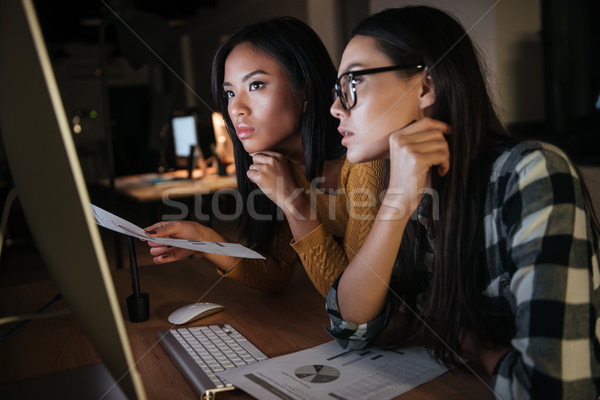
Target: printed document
117,224
330,372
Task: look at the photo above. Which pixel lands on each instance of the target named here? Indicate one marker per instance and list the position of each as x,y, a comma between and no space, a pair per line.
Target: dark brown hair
455,305
299,50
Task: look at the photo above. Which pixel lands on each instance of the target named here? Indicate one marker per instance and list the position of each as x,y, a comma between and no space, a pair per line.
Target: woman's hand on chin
414,150
271,173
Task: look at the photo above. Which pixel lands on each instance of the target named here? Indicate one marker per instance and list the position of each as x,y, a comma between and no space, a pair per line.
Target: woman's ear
303,98
426,91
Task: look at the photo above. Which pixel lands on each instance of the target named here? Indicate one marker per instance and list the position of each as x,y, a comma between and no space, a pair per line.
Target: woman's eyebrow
248,76
350,67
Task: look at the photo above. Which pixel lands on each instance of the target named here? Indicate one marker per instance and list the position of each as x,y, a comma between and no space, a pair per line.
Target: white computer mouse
192,312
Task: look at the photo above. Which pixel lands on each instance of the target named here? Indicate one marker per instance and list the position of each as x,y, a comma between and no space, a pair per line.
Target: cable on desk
33,316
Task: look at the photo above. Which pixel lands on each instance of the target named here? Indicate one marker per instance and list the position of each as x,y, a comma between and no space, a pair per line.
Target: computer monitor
52,192
185,138
224,145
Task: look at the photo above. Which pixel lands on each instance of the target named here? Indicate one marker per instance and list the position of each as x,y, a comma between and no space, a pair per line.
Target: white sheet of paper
330,372
118,224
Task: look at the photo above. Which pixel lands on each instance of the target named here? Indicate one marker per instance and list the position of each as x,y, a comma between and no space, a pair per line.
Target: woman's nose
337,110
239,106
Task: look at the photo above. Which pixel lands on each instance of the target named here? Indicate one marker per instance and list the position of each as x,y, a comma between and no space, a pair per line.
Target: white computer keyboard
201,352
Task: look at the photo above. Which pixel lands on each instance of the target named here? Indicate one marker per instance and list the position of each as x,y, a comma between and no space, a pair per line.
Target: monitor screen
52,192
184,134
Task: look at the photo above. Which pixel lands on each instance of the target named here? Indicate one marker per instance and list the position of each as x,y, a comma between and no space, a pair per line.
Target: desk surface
277,323
171,185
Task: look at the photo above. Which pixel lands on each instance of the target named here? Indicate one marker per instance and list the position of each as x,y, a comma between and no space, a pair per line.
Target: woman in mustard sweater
301,198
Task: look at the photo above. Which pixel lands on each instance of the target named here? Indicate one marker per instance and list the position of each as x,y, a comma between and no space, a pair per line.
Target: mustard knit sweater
346,218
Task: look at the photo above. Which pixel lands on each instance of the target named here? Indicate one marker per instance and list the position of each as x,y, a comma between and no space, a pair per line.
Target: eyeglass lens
347,92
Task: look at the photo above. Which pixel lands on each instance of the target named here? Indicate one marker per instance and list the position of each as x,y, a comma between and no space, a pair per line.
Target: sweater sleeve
325,257
272,274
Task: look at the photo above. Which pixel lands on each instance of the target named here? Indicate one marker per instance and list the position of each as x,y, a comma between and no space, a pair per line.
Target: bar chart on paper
118,224
328,371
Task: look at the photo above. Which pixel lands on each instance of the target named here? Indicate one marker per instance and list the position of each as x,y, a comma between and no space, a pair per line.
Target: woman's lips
244,131
345,133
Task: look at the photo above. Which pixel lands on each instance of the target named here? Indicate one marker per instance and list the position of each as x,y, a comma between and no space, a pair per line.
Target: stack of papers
330,372
117,224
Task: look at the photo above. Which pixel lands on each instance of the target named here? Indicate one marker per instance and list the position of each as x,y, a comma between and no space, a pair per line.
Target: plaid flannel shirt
542,264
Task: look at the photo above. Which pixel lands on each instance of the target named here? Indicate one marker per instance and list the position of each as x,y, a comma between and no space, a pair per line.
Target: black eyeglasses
345,85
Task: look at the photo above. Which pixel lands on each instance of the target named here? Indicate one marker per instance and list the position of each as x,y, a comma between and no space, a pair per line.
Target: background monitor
185,136
52,192
224,146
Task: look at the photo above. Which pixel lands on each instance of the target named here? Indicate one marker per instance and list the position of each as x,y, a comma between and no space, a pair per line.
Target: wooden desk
277,323
171,185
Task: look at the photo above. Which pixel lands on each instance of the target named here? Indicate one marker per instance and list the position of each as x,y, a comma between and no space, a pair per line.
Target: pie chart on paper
317,373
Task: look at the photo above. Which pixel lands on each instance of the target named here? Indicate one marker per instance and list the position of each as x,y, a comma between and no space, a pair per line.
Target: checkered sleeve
551,252
354,336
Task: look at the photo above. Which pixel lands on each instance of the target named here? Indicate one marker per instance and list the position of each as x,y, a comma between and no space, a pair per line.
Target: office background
124,66
154,58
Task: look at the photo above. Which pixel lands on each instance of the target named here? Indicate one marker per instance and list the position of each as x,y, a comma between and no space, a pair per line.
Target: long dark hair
299,50
455,305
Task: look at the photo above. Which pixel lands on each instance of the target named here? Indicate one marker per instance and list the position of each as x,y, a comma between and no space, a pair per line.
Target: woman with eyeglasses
485,247
272,82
